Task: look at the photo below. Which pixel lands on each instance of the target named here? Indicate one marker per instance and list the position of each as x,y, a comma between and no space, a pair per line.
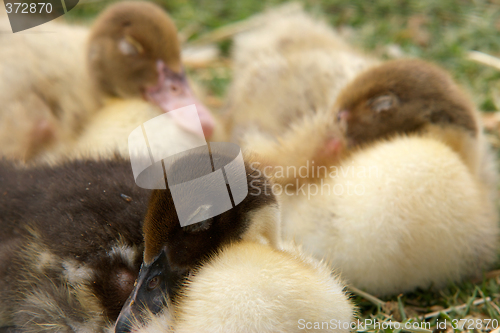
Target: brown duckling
414,96
130,52
134,52
71,245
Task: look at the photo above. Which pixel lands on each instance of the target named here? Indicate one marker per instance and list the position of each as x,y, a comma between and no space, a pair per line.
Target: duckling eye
202,214
175,88
128,46
154,282
198,227
383,103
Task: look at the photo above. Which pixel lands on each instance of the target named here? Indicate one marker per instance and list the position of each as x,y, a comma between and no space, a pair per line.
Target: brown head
134,51
172,251
402,96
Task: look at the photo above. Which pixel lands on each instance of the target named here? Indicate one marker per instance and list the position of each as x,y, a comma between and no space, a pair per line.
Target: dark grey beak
155,284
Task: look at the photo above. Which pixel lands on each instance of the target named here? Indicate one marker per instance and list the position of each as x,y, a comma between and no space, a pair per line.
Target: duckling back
398,215
45,91
287,68
106,134
71,244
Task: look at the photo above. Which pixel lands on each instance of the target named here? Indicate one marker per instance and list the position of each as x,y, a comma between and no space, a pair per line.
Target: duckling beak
156,282
343,118
173,92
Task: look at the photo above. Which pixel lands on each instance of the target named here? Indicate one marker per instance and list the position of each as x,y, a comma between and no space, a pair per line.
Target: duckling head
172,251
401,96
134,51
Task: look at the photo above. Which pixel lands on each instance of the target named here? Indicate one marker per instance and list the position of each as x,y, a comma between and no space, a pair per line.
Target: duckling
408,96
131,51
134,52
233,253
316,216
41,100
71,244
250,287
71,268
106,134
399,214
401,96
287,68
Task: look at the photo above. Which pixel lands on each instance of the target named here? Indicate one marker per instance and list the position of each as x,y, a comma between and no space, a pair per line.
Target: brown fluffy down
71,244
415,96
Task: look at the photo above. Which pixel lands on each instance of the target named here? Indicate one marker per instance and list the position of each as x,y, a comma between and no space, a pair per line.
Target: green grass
413,306
442,31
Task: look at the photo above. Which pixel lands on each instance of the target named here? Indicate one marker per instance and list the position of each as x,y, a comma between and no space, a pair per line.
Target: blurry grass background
442,31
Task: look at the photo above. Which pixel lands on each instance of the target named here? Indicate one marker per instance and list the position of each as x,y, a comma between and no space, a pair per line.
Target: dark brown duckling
70,246
239,277
172,251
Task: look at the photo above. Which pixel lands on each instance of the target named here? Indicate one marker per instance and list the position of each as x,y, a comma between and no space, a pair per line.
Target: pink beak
343,115
173,92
